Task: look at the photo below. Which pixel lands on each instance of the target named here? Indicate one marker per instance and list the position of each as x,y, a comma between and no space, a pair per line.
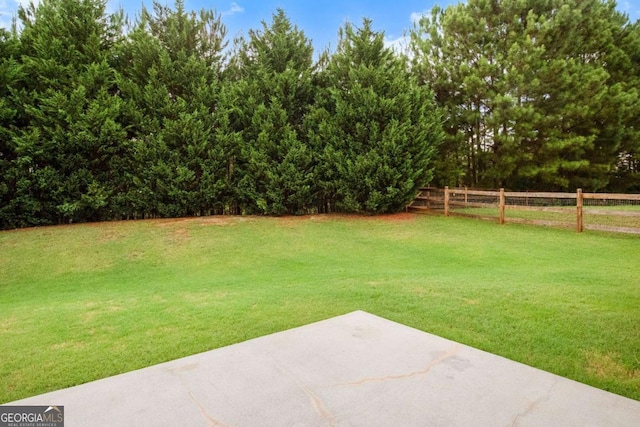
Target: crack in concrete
316,402
440,359
533,405
212,422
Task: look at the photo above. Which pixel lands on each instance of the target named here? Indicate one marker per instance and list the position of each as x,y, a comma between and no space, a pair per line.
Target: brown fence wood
443,199
611,196
472,204
540,208
476,192
579,223
446,201
541,194
502,202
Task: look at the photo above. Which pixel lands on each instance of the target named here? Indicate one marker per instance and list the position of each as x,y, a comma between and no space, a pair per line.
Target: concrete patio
353,370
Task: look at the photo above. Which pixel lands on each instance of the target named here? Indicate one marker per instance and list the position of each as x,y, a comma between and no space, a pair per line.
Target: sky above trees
320,20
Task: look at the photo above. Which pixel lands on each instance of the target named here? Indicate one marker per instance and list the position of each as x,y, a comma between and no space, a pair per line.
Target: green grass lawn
83,302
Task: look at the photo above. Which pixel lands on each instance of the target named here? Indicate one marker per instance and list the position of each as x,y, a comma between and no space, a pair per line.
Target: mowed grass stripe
83,302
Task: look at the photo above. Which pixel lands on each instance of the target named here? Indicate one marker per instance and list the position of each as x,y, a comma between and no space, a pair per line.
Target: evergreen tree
624,69
71,142
270,93
171,84
374,128
527,91
583,108
16,207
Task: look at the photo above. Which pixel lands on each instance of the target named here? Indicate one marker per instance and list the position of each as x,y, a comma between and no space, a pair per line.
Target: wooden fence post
446,201
466,197
502,203
579,203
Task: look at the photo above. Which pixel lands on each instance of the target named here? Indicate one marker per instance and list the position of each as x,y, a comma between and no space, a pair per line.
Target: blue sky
320,20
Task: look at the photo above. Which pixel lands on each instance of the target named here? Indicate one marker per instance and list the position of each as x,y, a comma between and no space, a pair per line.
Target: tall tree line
102,118
536,94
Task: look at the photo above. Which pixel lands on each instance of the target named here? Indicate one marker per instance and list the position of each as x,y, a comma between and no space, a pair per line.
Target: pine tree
623,66
527,91
579,139
375,129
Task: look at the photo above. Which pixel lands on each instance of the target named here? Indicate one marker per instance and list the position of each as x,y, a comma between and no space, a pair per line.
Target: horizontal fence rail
591,211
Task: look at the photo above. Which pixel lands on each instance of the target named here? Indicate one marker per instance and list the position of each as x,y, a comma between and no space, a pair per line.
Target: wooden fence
592,211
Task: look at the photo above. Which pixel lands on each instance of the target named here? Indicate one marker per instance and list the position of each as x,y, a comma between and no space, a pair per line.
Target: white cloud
401,44
6,14
398,44
5,21
416,16
630,8
9,10
235,8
